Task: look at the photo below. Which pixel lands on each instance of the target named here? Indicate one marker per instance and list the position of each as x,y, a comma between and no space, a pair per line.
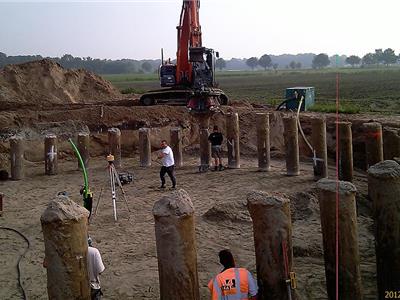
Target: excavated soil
44,83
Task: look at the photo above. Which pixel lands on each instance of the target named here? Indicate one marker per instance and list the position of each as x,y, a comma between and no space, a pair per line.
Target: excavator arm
189,36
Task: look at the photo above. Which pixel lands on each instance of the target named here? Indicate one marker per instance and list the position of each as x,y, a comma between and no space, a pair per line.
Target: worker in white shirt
168,164
95,268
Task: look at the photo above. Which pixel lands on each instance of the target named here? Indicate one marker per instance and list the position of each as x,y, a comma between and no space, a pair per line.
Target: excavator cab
167,75
202,60
204,99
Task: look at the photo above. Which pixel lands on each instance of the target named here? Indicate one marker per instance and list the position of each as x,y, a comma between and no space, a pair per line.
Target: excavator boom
189,35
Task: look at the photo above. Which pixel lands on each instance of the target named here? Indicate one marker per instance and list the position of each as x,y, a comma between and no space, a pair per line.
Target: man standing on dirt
232,283
168,164
95,268
216,139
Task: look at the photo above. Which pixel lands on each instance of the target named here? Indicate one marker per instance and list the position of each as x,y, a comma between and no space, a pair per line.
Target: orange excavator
191,81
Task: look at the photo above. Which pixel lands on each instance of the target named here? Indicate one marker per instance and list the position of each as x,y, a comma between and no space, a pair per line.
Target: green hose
85,177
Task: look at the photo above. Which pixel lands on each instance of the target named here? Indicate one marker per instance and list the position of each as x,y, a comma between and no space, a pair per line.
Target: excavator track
173,96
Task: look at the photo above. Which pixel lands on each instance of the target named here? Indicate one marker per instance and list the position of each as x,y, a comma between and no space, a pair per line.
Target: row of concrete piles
375,151
83,144
17,148
378,146
232,136
373,133
65,232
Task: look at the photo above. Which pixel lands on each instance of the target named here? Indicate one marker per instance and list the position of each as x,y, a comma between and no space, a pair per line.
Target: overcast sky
138,29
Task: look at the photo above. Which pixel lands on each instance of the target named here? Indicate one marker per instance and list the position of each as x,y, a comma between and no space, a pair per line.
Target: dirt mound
45,83
304,206
235,212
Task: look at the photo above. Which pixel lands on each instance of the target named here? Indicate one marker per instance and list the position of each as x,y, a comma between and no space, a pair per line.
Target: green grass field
360,90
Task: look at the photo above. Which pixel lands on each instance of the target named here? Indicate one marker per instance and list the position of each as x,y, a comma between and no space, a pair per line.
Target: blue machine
292,102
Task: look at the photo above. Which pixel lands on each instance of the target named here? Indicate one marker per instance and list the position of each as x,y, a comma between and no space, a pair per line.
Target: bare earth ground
128,246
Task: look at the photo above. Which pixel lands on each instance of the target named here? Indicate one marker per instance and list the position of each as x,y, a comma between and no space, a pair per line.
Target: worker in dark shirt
216,139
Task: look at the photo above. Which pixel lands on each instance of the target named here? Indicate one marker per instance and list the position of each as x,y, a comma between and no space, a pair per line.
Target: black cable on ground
22,255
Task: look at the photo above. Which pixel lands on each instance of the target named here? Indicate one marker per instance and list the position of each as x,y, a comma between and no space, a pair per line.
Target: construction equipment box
307,92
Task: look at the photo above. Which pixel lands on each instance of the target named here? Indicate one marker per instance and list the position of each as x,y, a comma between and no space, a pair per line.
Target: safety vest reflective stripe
241,285
244,276
217,289
237,277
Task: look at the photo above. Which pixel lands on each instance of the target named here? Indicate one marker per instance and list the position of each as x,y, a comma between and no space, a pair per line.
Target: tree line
385,57
99,66
285,61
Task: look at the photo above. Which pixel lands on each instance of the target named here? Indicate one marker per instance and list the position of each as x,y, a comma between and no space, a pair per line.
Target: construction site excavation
178,186
274,189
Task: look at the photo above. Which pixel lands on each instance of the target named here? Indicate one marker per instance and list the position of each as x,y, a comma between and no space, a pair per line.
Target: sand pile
235,212
45,83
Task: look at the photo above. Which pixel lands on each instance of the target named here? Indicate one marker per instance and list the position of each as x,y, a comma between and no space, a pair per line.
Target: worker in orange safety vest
232,283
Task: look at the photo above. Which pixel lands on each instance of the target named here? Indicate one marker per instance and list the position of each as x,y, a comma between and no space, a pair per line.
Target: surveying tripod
114,178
